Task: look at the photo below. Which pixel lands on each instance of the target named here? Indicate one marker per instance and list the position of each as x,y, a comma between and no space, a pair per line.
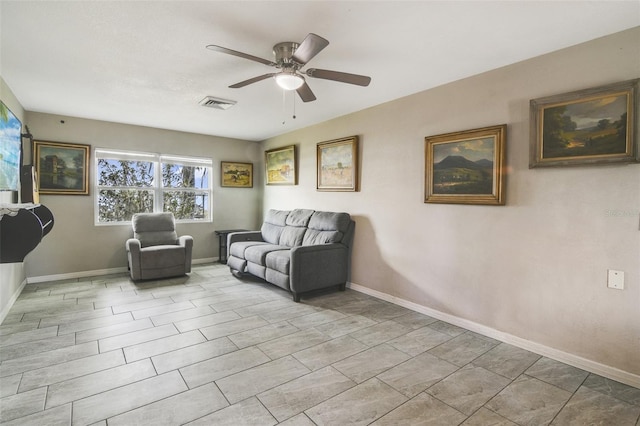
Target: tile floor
213,350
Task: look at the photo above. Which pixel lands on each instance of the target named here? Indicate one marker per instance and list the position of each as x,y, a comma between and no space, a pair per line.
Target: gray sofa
298,250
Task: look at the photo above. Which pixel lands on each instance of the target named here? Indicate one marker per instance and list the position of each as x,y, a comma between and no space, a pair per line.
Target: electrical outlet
615,279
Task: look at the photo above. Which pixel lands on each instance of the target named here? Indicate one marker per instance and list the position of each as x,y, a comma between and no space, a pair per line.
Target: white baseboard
14,297
74,275
540,349
98,272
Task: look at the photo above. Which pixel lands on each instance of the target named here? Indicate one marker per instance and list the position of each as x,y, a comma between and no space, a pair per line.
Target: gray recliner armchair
156,251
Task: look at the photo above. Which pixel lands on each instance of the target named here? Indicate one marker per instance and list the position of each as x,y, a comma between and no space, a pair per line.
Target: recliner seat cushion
238,248
279,260
164,256
257,254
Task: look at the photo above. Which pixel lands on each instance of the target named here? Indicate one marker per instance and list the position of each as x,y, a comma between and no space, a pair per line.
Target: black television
10,149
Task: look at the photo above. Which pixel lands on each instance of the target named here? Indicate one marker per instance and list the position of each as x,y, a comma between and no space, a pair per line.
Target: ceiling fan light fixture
289,81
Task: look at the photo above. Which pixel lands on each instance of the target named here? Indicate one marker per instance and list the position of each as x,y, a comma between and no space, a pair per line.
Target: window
135,182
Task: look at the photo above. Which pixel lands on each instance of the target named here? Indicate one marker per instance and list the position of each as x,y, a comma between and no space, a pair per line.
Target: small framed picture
592,126
62,168
280,166
236,175
337,165
466,167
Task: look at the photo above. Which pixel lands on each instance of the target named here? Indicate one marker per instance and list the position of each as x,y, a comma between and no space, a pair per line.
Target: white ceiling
145,62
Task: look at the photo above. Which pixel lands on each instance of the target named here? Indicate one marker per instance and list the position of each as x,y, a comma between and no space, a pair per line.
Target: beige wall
12,275
534,269
75,244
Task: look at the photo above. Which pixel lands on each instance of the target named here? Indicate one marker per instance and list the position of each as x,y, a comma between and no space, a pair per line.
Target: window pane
116,205
187,204
125,173
179,176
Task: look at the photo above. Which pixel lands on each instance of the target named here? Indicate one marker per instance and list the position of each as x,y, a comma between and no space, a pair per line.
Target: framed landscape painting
236,175
62,168
280,166
466,167
10,149
591,126
337,165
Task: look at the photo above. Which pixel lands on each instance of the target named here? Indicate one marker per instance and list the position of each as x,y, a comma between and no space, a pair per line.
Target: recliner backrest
296,227
306,227
326,228
273,225
153,229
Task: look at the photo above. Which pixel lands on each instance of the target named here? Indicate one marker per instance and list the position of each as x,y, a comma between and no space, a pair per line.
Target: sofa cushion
164,256
292,236
314,237
299,217
326,228
279,260
274,223
154,229
330,221
238,248
257,254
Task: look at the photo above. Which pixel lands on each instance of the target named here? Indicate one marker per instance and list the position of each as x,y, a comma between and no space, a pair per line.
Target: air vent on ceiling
217,103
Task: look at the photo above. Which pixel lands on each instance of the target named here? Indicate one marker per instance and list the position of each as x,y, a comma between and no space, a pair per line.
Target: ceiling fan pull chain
284,107
294,106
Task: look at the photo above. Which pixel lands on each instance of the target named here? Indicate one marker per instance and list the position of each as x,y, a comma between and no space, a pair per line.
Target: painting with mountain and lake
465,167
585,127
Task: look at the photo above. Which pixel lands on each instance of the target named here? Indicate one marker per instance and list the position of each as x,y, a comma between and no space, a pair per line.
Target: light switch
615,279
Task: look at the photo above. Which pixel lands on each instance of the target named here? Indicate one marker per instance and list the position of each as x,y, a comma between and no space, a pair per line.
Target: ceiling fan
290,58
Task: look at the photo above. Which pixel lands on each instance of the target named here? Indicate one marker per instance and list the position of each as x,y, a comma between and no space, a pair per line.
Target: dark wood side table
222,242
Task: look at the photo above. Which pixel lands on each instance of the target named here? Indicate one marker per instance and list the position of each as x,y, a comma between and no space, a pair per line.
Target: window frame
157,187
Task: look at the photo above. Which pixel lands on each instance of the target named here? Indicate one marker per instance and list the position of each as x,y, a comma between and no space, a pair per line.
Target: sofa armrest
243,236
133,258
133,245
186,241
318,266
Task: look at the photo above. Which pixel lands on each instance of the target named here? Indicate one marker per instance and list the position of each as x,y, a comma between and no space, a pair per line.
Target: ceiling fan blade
310,47
305,93
343,77
240,54
251,81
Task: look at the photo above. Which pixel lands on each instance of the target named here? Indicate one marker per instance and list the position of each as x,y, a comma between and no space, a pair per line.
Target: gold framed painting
62,168
281,166
337,165
466,167
236,175
591,126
